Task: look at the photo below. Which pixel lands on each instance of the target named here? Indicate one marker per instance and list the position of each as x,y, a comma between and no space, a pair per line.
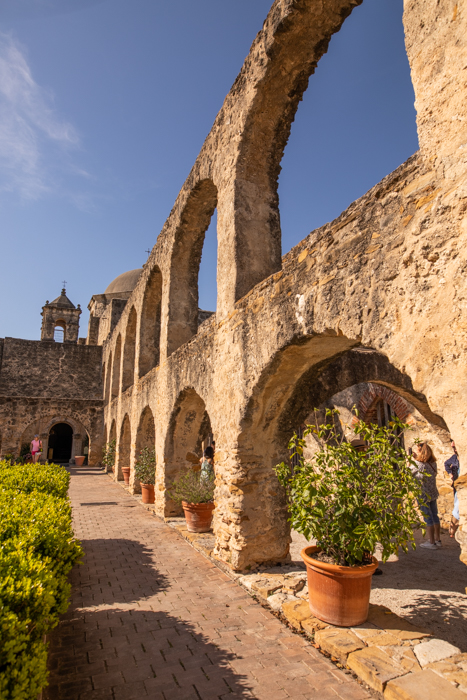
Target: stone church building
368,310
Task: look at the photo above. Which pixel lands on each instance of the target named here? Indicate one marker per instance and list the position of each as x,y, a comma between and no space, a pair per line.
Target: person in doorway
425,470
36,448
454,524
207,463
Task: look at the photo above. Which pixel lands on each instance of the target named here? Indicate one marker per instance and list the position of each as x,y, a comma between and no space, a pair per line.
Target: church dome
125,282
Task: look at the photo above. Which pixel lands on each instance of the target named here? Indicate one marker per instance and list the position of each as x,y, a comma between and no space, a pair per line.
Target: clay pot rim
147,485
337,569
186,504
126,469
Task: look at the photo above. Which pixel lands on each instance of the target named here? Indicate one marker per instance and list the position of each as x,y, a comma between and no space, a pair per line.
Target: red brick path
151,617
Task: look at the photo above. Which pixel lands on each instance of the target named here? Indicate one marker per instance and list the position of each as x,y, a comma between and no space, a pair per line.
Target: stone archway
128,363
189,431
123,449
116,368
150,324
60,443
145,437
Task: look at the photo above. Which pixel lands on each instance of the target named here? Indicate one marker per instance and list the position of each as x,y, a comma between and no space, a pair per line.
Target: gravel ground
426,587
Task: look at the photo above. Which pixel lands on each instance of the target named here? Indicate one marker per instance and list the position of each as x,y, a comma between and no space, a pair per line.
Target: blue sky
105,104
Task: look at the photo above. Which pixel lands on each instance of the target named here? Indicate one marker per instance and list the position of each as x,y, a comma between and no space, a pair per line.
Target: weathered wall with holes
388,274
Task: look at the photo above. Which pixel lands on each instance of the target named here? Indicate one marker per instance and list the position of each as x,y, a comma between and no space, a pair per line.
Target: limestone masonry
369,309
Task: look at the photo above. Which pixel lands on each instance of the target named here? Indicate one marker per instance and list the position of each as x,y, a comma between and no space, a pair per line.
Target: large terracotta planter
147,493
339,595
79,460
198,516
126,475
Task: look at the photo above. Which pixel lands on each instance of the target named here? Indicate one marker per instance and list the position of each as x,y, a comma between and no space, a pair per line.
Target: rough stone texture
375,667
44,383
339,643
454,669
424,685
434,650
296,612
377,296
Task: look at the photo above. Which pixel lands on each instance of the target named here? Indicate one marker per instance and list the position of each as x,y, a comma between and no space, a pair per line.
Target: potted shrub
195,492
349,499
145,471
108,455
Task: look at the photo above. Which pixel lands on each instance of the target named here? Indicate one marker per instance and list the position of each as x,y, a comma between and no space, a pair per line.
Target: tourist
36,448
454,524
424,468
207,463
452,465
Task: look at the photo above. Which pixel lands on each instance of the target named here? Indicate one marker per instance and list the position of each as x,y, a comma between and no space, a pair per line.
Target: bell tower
60,320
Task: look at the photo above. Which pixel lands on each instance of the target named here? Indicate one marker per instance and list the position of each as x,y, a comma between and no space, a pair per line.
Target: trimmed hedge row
37,552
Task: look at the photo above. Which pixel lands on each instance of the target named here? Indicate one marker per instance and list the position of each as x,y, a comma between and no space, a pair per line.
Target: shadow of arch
123,448
189,428
182,322
150,323
128,365
145,437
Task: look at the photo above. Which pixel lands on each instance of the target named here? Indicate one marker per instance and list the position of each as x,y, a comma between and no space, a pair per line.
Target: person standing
425,470
452,467
36,448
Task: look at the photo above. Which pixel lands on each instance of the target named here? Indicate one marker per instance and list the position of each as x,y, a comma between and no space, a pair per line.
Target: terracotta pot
198,516
147,493
79,460
126,475
339,595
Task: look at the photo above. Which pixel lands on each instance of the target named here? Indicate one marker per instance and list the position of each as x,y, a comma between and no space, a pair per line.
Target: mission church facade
369,309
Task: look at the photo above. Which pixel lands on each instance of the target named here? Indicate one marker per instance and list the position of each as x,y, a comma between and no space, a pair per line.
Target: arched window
59,331
128,369
116,367
150,326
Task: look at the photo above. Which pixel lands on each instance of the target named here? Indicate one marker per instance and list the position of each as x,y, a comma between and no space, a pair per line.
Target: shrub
350,500
37,551
145,467
193,487
108,454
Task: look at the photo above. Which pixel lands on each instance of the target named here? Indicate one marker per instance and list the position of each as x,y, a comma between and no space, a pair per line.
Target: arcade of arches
368,310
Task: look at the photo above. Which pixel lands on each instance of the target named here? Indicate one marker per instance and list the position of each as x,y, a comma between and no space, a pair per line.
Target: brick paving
151,617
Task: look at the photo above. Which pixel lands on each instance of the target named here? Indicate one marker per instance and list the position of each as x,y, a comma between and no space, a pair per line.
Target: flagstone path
151,617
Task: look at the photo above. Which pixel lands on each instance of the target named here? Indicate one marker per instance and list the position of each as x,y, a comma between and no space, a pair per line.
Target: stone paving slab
151,617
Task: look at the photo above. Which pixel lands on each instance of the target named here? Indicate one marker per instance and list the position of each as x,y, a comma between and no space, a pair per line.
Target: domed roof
125,282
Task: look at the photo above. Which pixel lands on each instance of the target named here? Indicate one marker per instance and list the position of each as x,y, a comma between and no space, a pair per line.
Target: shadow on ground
117,641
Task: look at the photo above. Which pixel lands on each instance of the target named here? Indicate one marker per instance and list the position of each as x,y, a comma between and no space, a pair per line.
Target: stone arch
60,330
123,451
372,395
116,368
189,428
43,425
182,321
150,324
145,437
128,364
300,377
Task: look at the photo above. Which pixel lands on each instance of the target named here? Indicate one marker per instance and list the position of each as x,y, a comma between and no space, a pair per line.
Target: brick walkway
151,617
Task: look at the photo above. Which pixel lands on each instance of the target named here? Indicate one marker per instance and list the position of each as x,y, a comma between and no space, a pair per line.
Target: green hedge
37,552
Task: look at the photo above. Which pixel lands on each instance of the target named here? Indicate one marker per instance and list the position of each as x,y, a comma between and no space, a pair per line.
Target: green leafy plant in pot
350,499
195,492
145,472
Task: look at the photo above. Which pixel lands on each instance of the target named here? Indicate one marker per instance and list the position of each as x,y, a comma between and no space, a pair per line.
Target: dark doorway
60,442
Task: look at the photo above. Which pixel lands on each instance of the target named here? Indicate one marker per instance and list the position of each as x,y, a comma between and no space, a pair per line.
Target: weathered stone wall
388,274
42,383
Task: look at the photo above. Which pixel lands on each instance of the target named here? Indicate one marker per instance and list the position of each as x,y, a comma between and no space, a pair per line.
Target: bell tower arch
60,320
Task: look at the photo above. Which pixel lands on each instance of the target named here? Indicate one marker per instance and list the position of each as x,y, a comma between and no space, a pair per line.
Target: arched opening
207,276
301,377
184,268
150,324
59,331
116,367
145,437
124,447
189,433
128,367
108,379
335,154
60,442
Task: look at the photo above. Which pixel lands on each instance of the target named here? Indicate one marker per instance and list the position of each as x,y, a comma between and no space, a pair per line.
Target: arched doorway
60,442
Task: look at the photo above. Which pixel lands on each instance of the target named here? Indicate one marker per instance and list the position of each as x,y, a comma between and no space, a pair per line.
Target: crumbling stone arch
182,319
128,363
150,323
123,450
145,437
189,428
116,367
